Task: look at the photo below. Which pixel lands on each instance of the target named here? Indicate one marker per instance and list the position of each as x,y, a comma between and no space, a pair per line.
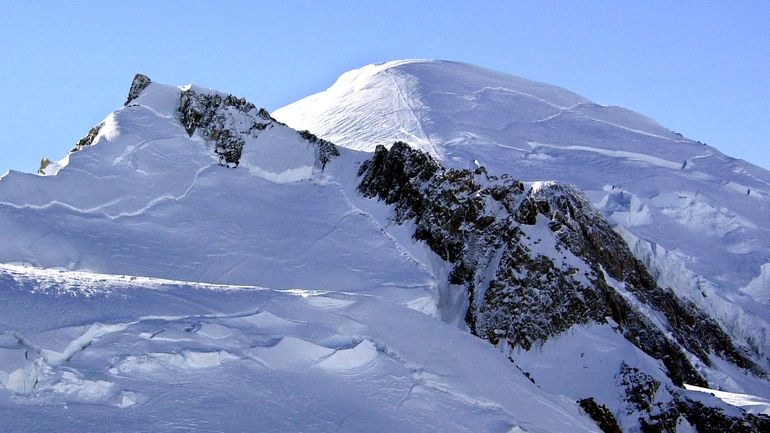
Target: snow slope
105,353
699,219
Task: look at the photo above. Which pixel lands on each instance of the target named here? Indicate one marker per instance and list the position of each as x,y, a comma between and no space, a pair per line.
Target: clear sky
701,68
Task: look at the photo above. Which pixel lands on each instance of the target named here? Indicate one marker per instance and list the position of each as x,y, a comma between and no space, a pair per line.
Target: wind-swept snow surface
102,353
699,220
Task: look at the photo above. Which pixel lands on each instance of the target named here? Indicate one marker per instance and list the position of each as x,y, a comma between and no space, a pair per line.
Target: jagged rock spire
140,83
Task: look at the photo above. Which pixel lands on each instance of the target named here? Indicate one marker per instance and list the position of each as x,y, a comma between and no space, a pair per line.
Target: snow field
295,360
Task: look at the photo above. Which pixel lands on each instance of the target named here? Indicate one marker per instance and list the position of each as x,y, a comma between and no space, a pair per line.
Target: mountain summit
441,107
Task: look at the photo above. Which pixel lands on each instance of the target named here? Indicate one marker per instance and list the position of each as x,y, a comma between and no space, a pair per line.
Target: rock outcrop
538,261
226,121
140,83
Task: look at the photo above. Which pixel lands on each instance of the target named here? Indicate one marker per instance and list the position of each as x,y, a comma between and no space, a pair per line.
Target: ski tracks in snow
417,121
400,248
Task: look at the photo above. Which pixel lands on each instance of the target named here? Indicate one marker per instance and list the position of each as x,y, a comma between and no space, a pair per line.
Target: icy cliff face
699,220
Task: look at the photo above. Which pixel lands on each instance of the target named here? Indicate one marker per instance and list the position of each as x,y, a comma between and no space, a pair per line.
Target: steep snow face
146,196
698,219
148,355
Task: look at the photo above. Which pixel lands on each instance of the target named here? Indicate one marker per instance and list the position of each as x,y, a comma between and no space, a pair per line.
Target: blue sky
701,68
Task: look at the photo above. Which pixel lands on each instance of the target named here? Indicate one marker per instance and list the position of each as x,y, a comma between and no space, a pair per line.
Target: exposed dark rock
88,139
45,162
227,120
643,334
586,234
519,296
140,83
211,113
600,414
639,388
661,408
699,333
325,151
708,419
705,419
264,115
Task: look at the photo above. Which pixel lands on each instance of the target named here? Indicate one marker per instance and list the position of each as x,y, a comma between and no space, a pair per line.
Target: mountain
195,264
698,219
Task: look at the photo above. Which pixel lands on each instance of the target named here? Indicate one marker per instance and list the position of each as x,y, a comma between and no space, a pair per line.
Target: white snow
624,208
167,356
53,167
583,362
752,404
360,356
759,287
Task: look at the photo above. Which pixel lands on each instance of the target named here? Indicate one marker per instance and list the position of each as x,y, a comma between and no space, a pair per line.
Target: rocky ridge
521,294
697,218
226,120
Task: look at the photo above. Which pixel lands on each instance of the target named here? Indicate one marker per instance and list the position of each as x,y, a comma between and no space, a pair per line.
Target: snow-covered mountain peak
228,130
462,77
246,255
437,104
697,218
152,184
